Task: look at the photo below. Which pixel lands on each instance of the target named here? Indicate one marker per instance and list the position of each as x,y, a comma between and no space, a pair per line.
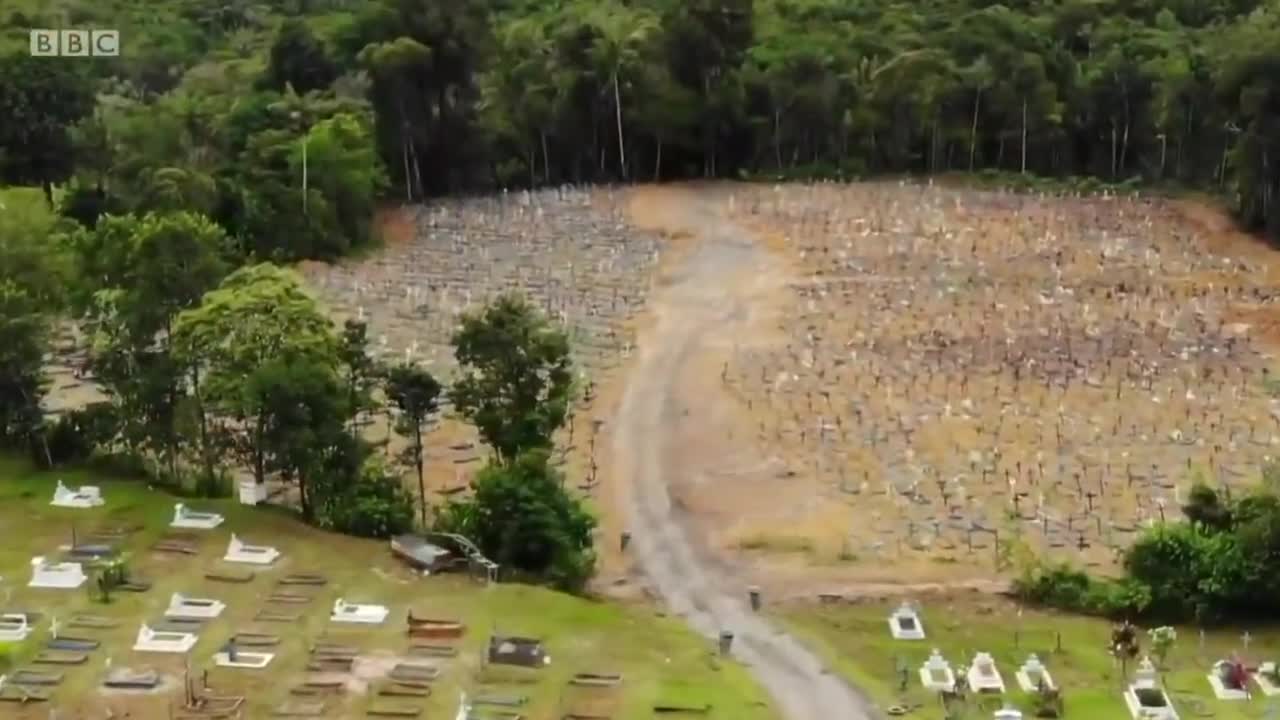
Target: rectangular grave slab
1218,680
1032,674
905,624
983,676
936,674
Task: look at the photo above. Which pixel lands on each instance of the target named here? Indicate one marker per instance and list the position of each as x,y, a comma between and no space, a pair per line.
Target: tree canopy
408,99
516,380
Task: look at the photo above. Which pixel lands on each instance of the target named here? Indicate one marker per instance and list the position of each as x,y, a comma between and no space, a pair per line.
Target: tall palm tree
622,35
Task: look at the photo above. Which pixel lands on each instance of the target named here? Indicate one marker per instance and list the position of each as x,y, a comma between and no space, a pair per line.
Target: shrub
65,442
1066,588
1204,506
375,505
1047,702
1191,573
522,518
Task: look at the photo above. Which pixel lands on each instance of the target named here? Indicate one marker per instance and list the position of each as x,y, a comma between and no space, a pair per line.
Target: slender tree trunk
933,146
617,115
206,457
1124,144
417,168
973,129
1024,136
1164,146
304,496
546,158
29,402
777,137
1114,156
1222,169
1124,141
708,131
657,164
259,455
408,179
422,485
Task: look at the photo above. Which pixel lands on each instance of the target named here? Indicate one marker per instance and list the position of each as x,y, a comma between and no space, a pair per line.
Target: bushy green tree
136,275
256,324
374,504
415,393
298,59
516,377
523,518
40,102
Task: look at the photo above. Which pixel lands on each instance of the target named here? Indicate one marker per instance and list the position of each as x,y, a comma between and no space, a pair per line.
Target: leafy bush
65,441
1205,507
375,506
522,518
1193,573
1225,562
1064,587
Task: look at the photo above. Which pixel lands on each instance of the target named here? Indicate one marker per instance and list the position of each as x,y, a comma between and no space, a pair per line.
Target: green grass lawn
660,659
855,638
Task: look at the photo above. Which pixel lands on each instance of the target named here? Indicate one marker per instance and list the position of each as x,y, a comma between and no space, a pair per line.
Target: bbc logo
75,43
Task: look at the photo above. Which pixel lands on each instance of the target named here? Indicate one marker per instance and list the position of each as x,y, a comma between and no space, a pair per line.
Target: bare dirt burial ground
860,389
914,372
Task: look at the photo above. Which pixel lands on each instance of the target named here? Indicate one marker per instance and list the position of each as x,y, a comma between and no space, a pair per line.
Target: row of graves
341,671
1144,695
71,642
955,356
568,250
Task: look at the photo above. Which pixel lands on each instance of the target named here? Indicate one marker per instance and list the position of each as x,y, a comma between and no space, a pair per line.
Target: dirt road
719,285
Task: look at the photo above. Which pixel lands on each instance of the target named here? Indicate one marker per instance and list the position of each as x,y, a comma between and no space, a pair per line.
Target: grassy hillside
659,658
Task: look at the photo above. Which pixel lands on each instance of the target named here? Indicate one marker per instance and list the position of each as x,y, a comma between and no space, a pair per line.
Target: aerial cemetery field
942,374
570,251
949,371
912,387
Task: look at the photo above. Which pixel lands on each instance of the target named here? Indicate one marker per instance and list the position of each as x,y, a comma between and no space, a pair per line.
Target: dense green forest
208,107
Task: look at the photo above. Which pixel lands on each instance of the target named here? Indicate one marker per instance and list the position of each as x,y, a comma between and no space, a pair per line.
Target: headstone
726,642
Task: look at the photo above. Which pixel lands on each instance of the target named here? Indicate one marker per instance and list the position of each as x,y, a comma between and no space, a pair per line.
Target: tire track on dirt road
705,292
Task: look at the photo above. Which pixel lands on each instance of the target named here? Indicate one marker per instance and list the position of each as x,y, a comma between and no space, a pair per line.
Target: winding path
705,291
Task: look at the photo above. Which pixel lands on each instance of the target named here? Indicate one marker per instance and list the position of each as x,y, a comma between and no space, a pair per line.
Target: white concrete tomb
149,640
87,496
936,674
63,575
1218,678
181,606
346,612
185,517
904,623
240,552
1145,698
983,676
1032,674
